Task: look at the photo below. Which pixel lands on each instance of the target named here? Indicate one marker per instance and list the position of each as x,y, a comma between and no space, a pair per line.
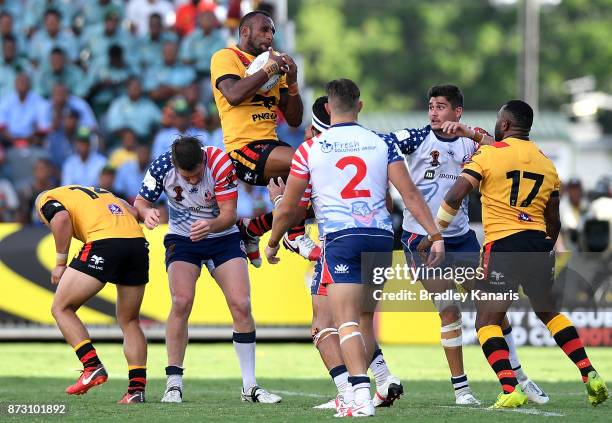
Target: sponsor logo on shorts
341,268
497,275
96,262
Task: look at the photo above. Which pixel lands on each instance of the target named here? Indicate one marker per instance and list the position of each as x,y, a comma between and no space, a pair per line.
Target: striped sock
87,354
460,382
138,378
496,351
259,225
566,337
296,231
339,374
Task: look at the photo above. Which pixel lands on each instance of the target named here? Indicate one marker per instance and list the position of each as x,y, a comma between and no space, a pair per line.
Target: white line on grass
301,394
532,411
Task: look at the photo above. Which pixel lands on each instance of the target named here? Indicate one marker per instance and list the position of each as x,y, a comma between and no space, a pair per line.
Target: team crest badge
435,156
115,209
179,194
524,217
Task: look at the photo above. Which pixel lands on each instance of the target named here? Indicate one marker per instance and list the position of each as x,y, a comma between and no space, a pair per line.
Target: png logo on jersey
115,209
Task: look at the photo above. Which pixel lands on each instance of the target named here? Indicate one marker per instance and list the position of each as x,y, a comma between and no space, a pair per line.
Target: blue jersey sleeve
393,152
153,183
408,140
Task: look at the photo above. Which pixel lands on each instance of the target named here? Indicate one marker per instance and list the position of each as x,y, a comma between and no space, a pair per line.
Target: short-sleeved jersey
347,169
434,164
516,182
188,203
95,213
255,118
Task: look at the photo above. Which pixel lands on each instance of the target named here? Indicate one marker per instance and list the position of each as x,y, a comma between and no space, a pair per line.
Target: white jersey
434,166
188,203
347,169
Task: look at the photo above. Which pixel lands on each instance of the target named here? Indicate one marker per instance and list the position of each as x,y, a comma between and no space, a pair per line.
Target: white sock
514,360
340,376
349,394
361,388
175,376
379,368
460,384
244,344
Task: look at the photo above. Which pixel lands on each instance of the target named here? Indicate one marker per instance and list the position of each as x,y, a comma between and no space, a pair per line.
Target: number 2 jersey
434,164
95,213
188,203
347,169
516,182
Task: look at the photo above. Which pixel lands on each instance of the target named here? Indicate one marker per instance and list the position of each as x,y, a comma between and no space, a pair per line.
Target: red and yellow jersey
516,182
95,213
255,118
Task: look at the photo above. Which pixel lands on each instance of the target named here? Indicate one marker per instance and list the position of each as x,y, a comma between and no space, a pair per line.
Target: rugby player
248,119
200,183
324,334
114,250
436,155
347,179
520,206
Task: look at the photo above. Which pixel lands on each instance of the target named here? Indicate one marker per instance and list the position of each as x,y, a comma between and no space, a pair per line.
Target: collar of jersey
442,139
344,124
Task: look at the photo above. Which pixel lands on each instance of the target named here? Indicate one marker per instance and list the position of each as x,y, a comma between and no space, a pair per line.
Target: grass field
38,374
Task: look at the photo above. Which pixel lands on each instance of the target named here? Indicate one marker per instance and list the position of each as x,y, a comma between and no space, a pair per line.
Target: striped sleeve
299,164
223,173
306,197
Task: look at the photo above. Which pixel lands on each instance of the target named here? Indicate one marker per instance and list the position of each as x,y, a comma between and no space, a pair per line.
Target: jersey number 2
515,175
349,190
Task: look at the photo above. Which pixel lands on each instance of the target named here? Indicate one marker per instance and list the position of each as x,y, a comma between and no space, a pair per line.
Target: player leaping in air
346,178
248,119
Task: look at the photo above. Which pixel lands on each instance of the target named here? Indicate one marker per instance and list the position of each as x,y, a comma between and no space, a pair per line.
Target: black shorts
522,259
122,261
250,160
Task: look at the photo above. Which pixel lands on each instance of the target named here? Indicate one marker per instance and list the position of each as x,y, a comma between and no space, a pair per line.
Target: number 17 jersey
347,169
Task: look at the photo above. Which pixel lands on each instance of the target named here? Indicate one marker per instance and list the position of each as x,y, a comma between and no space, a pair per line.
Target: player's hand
423,248
457,129
290,68
436,254
199,230
151,218
57,272
275,188
271,254
282,65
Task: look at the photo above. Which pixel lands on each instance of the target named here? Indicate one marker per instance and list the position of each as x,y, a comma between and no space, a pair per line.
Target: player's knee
349,330
320,335
450,315
241,310
124,320
181,304
451,334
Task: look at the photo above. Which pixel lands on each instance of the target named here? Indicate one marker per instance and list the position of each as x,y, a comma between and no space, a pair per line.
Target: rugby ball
259,63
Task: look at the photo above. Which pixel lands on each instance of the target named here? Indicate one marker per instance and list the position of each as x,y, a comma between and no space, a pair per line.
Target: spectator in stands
94,12
572,207
107,81
126,150
21,160
44,179
21,112
8,29
213,127
130,175
133,111
107,179
166,81
138,12
57,71
9,202
187,15
34,12
11,64
199,46
181,126
151,45
60,141
84,166
191,94
61,102
51,36
252,200
98,40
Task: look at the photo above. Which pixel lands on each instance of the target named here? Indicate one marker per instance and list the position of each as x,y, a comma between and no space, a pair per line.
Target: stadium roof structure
547,125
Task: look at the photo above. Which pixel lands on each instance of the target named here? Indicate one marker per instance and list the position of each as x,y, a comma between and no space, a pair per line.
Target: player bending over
114,250
200,183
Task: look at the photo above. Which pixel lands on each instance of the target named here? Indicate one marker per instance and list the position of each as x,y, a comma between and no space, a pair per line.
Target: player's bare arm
552,219
275,192
147,214
61,227
461,130
291,102
284,215
236,91
226,219
414,202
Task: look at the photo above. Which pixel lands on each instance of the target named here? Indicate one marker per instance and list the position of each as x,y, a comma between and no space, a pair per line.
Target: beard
256,50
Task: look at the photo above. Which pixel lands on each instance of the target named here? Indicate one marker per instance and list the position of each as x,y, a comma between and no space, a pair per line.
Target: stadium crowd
91,91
